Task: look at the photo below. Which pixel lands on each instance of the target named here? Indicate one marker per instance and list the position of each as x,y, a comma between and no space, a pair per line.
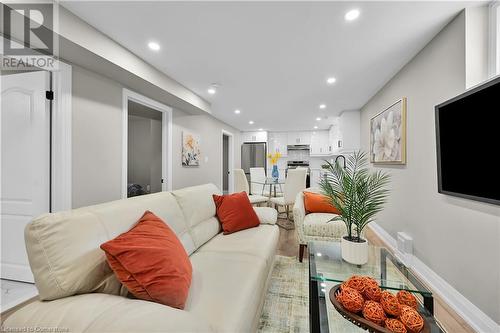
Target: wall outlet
405,246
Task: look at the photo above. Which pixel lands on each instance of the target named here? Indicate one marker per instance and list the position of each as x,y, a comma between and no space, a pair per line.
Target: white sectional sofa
79,292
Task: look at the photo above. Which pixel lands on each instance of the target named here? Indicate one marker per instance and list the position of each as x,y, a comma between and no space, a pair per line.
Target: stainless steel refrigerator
253,155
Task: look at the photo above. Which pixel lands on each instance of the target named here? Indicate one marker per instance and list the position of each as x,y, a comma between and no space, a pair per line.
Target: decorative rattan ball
407,298
389,303
374,312
369,281
351,299
411,319
356,282
372,292
395,326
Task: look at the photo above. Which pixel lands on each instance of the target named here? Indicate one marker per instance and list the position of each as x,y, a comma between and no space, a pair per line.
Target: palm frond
356,192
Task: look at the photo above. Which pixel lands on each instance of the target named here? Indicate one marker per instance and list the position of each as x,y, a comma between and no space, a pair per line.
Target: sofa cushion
260,242
105,313
198,208
227,289
151,262
317,225
266,215
63,248
235,212
318,203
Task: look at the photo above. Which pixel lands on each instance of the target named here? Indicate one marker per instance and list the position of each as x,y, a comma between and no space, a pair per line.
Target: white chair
241,185
295,182
257,174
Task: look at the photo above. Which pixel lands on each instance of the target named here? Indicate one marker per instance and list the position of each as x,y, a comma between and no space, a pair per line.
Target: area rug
285,224
286,307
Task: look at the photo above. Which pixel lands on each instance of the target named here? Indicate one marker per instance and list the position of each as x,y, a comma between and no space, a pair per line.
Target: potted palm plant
358,194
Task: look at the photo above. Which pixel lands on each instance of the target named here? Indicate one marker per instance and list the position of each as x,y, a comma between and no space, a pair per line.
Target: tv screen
468,144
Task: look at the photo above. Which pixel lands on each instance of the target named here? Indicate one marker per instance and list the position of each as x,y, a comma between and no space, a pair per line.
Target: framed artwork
190,149
388,135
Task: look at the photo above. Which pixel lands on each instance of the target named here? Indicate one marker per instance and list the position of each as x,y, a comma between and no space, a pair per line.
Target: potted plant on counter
358,194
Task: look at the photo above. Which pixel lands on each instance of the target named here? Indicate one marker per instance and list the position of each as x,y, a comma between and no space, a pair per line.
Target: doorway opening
227,162
144,174
147,159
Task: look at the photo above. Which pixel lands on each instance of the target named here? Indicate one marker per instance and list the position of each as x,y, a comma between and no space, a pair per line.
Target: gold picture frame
388,134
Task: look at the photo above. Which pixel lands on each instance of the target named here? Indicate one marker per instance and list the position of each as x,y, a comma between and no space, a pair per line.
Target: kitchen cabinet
278,142
334,139
299,138
349,123
258,136
320,143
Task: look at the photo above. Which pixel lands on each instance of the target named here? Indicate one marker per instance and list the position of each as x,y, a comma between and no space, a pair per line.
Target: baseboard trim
470,313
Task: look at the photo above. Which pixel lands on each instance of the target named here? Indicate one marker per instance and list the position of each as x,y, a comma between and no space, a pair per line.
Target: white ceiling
272,58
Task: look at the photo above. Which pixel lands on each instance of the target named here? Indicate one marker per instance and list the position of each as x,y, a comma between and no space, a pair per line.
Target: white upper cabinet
344,134
349,123
299,138
278,142
320,143
260,136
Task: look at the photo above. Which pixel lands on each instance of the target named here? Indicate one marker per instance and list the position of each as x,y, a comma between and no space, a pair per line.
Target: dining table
273,183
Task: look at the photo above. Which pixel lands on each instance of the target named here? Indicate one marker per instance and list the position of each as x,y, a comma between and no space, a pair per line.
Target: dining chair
241,185
257,174
295,182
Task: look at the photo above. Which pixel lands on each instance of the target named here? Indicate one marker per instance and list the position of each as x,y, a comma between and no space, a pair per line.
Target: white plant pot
353,252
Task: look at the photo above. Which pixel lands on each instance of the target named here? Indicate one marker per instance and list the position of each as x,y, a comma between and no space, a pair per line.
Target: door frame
230,185
166,136
61,138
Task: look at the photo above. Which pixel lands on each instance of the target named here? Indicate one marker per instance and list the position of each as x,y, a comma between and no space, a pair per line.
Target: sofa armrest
267,215
299,213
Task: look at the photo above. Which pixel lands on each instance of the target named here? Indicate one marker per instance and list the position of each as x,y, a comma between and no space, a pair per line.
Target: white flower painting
388,135
190,149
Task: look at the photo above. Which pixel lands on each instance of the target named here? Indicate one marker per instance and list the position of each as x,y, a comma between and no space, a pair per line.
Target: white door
25,165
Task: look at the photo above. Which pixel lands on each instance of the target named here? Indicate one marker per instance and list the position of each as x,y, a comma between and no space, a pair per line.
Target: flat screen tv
468,144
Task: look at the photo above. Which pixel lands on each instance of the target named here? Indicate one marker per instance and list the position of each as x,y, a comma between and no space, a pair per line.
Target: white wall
210,132
97,142
459,239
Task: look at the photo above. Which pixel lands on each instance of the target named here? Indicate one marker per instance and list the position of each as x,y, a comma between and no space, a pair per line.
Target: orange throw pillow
318,203
235,212
151,262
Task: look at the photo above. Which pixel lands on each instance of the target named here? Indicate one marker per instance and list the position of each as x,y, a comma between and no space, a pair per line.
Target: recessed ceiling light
331,80
261,129
251,122
352,15
212,90
318,118
322,106
315,127
237,111
154,46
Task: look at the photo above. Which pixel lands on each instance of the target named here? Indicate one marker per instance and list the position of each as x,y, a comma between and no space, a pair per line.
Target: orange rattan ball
390,303
356,282
351,299
372,292
411,319
369,281
407,298
374,312
395,326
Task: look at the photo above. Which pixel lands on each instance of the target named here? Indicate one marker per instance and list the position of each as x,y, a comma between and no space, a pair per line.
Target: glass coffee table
327,269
